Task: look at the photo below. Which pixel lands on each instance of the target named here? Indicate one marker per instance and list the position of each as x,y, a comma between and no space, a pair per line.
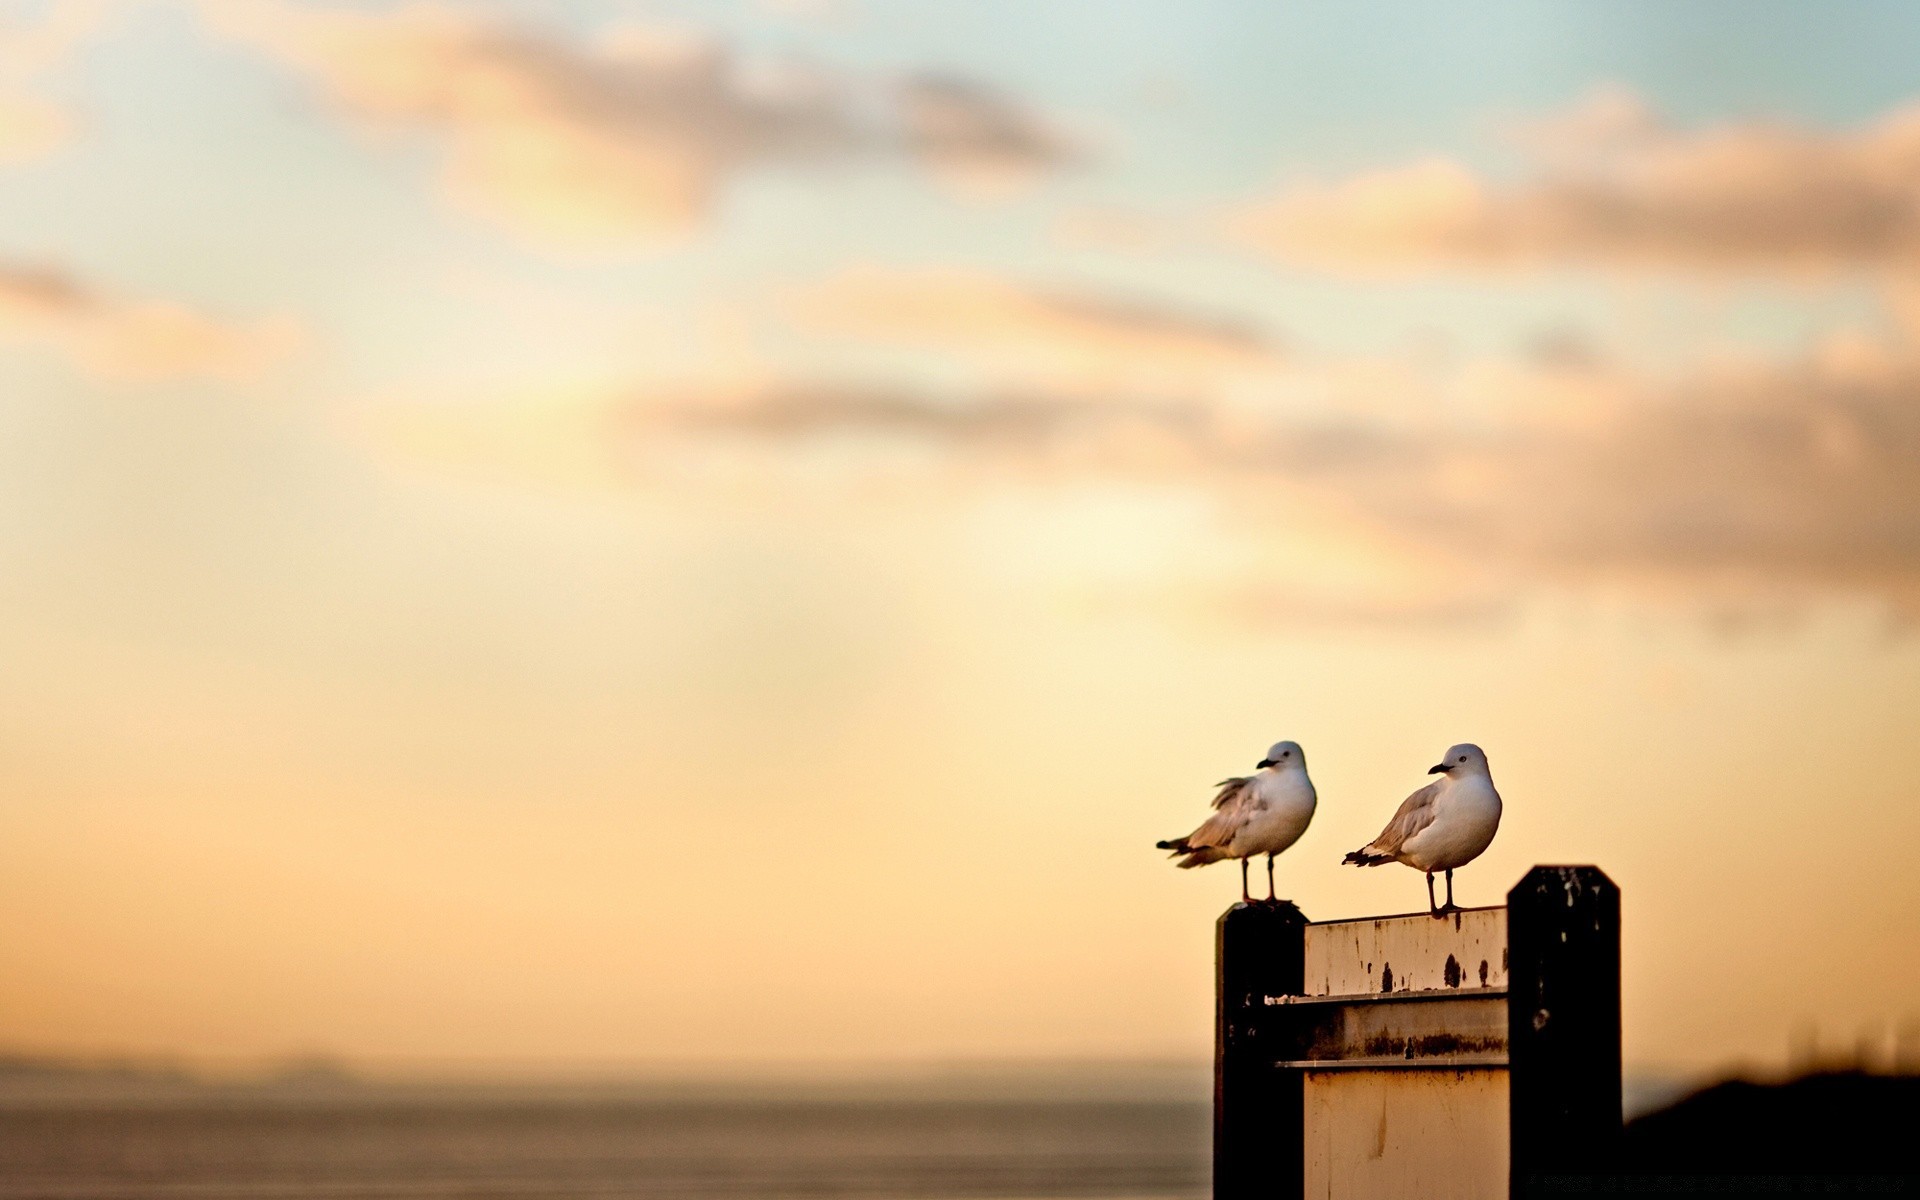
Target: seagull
1443,825
1256,814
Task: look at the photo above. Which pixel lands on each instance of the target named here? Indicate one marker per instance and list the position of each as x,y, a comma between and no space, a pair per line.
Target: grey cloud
1796,479
1805,477
977,136
634,135
1005,424
45,289
1139,318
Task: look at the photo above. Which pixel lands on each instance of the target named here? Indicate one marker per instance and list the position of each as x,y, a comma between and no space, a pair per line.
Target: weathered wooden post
1563,1022
1472,1056
1256,1103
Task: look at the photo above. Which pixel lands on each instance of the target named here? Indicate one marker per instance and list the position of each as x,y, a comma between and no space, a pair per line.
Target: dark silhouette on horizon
1843,1123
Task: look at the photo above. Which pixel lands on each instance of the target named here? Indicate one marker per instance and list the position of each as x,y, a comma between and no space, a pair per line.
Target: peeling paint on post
1257,1106
1563,1014
1405,1053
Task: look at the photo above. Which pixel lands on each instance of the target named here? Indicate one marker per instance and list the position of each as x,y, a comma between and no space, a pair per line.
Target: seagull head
1282,755
1464,759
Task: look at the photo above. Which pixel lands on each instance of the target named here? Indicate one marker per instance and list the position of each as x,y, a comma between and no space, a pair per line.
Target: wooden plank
1436,1135
1403,1029
1407,1030
1466,949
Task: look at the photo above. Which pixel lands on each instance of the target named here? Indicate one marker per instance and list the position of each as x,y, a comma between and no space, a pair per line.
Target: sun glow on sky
556,535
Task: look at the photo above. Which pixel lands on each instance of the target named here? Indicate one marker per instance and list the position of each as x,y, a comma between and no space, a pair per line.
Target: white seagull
1443,825
1258,814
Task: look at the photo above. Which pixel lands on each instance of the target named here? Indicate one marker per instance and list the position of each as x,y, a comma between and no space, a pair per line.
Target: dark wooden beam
1563,1026
1258,1108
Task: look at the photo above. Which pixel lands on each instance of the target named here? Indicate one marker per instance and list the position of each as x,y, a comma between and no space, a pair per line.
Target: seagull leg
1269,879
1451,906
1246,897
1431,906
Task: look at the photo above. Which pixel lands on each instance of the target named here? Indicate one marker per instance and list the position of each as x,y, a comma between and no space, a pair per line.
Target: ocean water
188,1148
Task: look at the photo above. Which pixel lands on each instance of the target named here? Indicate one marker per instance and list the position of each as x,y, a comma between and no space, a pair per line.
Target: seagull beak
1439,770
1265,762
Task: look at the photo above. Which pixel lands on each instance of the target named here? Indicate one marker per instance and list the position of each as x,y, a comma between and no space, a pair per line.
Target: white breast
1284,803
1466,815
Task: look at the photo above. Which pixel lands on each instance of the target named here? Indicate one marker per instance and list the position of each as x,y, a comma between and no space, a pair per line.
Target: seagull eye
1286,754
1463,758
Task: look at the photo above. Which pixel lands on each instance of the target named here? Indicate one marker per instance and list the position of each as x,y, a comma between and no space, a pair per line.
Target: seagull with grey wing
1444,825
1263,813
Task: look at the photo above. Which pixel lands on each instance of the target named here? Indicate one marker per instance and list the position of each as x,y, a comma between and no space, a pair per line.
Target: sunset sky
575,535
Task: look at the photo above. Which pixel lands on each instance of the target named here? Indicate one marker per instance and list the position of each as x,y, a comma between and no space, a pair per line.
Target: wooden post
1563,1026
1258,1108
1406,1056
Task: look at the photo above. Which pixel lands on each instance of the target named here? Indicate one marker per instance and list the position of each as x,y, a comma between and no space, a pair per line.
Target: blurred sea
369,1144
1123,1132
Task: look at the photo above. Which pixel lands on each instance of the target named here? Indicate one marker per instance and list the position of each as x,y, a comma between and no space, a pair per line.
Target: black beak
1265,762
1441,769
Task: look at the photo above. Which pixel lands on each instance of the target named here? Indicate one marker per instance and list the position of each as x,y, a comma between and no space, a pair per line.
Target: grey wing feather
1232,806
1416,813
1230,788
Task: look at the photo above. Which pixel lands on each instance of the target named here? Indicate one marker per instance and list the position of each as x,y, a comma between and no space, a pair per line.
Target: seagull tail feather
1366,856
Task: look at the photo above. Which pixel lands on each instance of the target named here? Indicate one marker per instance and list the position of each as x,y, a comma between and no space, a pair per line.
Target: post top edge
1283,911
1576,876
1403,916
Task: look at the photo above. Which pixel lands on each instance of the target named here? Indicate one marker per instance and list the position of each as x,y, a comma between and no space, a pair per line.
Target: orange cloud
632,137
32,127
1805,475
1785,480
1611,186
1775,482
1053,335
1554,468
131,340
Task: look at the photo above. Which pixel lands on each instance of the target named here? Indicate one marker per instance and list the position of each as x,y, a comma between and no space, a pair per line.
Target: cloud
1756,480
31,126
634,136
1770,478
1013,424
115,338
1058,336
977,139
1610,185
1450,491
667,434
